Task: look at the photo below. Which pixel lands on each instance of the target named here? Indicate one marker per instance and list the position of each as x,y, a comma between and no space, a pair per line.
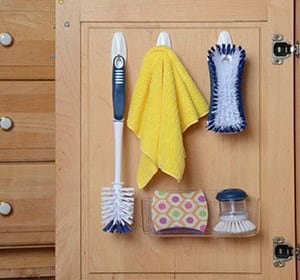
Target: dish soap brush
117,201
233,216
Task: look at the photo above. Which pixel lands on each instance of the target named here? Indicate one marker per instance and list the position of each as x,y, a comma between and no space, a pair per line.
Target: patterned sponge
179,212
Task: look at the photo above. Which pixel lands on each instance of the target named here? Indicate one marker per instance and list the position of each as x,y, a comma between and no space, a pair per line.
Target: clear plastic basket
253,208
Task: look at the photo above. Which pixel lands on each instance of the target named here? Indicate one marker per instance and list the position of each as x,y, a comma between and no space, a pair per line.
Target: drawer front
30,106
29,189
31,25
25,263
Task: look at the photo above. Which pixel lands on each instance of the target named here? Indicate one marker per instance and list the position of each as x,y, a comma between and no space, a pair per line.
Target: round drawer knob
5,208
6,123
6,39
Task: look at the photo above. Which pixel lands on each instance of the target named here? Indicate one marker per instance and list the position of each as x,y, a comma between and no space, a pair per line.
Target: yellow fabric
164,104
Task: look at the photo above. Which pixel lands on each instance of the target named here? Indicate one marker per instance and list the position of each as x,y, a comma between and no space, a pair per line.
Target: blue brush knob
118,85
231,195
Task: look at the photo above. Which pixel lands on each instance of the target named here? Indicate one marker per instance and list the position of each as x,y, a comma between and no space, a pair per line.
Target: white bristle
234,226
117,204
227,111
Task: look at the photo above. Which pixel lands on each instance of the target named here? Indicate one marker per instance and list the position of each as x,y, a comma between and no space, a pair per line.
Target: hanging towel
164,104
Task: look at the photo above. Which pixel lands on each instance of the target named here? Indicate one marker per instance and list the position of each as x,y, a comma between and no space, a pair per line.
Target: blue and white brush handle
118,96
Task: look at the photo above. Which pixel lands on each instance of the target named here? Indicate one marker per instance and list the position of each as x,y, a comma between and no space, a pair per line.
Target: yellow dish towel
164,104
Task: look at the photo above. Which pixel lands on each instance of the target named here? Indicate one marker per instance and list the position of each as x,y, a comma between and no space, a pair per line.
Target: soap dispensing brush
233,215
117,201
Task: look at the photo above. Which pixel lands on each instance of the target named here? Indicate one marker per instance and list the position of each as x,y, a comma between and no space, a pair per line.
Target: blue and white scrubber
226,64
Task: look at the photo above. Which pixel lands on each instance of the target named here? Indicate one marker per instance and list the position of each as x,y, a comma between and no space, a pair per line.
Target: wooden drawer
31,24
30,190
25,263
30,105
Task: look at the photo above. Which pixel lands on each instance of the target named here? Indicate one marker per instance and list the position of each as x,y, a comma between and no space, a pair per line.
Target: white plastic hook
118,45
163,39
224,38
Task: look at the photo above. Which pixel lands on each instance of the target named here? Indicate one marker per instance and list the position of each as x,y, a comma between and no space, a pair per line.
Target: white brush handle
118,132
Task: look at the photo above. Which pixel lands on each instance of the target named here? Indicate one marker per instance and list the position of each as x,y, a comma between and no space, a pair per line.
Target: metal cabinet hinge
283,252
282,49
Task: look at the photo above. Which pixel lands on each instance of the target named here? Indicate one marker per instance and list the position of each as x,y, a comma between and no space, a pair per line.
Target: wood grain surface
260,160
32,26
31,106
30,190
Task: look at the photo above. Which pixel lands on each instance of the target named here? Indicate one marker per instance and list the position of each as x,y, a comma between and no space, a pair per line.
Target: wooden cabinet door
260,160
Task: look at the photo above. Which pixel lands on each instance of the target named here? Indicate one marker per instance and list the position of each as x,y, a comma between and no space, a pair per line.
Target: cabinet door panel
259,160
207,153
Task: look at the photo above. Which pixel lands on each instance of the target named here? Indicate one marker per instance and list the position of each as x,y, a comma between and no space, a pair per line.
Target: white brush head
227,110
238,224
117,204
